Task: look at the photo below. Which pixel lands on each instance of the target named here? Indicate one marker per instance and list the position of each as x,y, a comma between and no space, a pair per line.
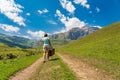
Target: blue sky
33,18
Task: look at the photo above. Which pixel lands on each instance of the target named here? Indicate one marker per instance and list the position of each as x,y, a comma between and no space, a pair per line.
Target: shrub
1,57
10,56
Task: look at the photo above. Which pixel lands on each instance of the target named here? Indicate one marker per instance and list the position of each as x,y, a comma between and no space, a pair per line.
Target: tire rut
82,70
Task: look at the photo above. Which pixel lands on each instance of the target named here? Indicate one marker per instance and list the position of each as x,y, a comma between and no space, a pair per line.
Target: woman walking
46,47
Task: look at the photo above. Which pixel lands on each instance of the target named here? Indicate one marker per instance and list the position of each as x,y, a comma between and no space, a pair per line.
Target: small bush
32,53
1,57
10,56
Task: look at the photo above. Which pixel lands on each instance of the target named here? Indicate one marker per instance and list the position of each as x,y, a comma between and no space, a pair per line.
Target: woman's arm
50,44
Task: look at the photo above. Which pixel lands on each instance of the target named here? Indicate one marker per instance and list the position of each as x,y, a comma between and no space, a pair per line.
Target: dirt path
82,70
28,72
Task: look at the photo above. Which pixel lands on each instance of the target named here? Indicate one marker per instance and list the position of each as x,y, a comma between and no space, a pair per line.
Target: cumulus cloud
9,28
36,34
10,9
83,3
67,5
74,22
69,22
97,9
61,17
43,11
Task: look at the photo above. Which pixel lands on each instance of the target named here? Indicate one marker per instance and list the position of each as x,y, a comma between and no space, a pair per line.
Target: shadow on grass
54,59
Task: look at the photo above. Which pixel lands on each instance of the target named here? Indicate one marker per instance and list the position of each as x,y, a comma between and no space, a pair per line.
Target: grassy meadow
10,66
57,69
14,59
100,49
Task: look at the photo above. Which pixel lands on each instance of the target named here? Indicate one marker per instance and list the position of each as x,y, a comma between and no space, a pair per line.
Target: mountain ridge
75,33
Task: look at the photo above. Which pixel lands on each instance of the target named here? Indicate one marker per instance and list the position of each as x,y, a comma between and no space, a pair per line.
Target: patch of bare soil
27,73
82,70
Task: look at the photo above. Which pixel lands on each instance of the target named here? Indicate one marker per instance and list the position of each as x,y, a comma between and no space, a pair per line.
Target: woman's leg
47,55
44,54
44,57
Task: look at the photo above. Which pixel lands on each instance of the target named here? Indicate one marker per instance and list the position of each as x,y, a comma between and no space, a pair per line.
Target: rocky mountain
15,41
75,33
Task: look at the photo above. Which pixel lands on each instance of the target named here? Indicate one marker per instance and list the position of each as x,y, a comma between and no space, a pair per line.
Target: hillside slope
100,49
14,41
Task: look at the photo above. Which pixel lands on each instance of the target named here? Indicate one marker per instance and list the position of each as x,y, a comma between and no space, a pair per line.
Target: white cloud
97,9
69,22
52,22
67,5
74,22
12,10
43,11
98,27
61,31
36,34
28,14
82,2
62,18
9,28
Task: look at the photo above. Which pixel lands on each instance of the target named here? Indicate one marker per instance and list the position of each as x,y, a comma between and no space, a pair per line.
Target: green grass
22,59
54,70
4,50
100,49
9,66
